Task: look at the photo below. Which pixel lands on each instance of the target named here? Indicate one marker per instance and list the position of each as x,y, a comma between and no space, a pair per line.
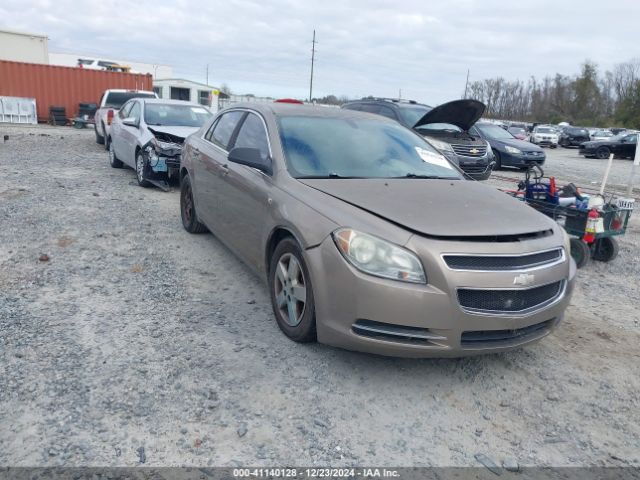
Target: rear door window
223,131
387,112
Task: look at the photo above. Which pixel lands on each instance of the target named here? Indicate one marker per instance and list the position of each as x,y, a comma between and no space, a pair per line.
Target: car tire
188,213
141,170
99,138
497,159
292,293
603,153
113,160
580,251
605,249
104,133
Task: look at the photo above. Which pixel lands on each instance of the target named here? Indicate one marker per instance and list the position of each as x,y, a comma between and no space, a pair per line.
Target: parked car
573,137
446,127
109,104
601,135
545,136
518,132
623,145
507,150
617,131
368,238
147,135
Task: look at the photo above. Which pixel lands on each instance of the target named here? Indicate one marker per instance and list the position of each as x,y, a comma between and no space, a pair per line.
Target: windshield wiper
428,177
329,175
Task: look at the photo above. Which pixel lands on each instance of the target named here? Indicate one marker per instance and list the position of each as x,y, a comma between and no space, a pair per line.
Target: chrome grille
509,301
474,151
506,262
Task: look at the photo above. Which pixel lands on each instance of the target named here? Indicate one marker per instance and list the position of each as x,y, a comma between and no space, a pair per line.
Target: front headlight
378,257
514,150
440,145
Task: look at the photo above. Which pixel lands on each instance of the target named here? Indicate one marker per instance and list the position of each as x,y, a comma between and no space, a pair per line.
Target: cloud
364,47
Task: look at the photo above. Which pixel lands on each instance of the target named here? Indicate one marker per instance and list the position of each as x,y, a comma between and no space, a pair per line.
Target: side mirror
251,157
130,122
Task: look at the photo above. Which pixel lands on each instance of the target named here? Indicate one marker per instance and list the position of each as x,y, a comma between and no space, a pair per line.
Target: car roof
124,90
392,102
166,101
288,109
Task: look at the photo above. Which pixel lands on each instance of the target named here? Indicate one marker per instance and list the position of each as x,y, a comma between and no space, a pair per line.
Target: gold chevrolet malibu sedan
368,238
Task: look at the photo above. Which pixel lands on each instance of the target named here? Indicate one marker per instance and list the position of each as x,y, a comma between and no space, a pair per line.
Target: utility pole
399,94
313,56
466,85
207,82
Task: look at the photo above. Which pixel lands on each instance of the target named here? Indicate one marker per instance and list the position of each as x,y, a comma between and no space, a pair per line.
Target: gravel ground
124,340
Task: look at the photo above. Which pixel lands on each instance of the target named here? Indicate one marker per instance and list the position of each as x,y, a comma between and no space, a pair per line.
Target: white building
181,89
73,59
24,47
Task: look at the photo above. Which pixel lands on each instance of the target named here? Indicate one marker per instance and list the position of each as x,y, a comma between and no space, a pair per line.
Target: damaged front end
162,154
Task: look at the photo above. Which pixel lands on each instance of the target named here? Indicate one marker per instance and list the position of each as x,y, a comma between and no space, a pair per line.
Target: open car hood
439,208
461,113
168,133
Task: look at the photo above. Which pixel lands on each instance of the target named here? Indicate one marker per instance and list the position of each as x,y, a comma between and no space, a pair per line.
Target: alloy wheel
290,289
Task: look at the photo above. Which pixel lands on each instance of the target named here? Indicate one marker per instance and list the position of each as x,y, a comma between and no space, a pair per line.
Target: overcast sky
365,47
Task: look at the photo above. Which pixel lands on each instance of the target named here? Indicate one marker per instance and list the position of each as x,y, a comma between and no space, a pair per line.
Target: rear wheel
603,153
113,160
580,252
99,138
291,292
605,249
187,208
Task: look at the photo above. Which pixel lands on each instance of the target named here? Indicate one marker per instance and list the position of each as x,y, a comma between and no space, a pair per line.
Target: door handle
225,169
196,152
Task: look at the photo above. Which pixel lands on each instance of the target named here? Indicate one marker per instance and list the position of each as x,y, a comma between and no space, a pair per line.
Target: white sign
433,158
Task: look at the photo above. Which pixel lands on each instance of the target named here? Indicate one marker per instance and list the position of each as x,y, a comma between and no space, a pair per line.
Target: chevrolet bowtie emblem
524,279
474,150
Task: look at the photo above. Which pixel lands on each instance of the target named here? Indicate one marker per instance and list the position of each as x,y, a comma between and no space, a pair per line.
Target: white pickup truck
110,103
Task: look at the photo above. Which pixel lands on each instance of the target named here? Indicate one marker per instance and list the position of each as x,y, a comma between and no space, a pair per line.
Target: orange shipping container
52,85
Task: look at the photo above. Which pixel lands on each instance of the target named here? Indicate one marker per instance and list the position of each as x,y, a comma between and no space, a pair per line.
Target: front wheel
188,209
580,251
603,153
498,160
291,292
141,171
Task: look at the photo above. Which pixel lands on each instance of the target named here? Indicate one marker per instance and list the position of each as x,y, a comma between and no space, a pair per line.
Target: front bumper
587,151
350,304
523,159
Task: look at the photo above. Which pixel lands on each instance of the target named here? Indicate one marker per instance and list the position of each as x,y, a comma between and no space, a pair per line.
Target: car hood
461,113
439,208
179,132
514,142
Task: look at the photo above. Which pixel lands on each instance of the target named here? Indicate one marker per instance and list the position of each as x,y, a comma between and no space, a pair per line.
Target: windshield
117,99
175,115
515,130
544,130
494,132
412,113
360,148
603,133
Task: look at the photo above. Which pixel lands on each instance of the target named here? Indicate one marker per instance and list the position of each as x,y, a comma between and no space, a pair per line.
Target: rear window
117,99
578,131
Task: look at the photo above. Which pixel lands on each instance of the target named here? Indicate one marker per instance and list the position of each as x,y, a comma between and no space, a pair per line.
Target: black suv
573,136
446,127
